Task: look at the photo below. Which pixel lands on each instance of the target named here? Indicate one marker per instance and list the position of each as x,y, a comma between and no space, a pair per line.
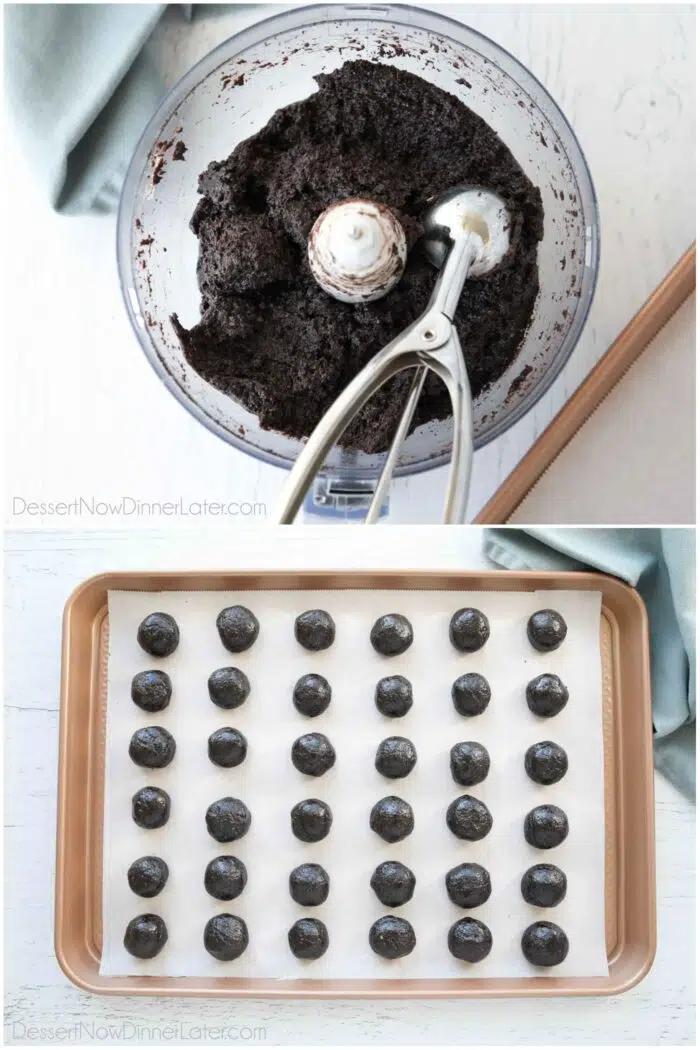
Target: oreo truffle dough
268,335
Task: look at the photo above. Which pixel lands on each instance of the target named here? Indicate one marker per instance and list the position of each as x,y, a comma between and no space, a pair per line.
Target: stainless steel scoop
467,234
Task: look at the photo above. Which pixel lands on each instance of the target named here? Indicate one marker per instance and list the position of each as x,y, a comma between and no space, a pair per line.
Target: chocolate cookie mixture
268,335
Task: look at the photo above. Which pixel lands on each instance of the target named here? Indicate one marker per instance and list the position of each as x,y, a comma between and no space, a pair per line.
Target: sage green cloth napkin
79,89
660,563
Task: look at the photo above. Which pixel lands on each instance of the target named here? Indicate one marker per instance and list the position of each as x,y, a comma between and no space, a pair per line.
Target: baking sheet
270,785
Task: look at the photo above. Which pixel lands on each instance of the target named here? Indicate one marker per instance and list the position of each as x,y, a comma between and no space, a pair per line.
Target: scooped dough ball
392,634
145,936
392,819
468,818
147,876
394,696
151,690
468,885
546,827
309,885
228,819
396,756
150,807
469,762
313,754
152,747
238,628
315,630
392,937
225,878
311,820
158,634
227,747
225,937
545,944
471,694
228,687
469,630
546,762
543,885
469,940
308,939
546,630
312,695
393,883
546,695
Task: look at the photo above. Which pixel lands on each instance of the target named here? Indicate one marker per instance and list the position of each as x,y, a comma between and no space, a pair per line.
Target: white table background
41,571
85,401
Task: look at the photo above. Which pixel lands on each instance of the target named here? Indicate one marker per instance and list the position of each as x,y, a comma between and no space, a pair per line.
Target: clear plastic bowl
234,91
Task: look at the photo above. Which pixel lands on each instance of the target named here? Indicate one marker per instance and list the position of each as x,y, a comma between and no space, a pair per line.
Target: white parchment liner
270,785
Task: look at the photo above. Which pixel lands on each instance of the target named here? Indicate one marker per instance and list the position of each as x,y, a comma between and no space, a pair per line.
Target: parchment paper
270,785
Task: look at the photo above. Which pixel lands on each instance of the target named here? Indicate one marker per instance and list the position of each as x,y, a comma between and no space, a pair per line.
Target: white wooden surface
86,402
41,571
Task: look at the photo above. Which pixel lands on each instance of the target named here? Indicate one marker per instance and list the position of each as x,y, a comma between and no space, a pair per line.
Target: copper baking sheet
629,802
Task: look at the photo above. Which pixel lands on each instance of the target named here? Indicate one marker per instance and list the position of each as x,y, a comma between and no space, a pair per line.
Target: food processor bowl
232,93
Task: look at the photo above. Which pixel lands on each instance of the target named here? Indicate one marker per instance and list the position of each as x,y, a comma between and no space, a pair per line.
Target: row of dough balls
392,634
229,688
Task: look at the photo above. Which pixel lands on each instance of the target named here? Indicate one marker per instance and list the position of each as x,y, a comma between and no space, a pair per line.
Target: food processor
231,94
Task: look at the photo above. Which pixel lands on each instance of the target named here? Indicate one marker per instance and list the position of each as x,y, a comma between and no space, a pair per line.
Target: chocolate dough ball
151,690
145,936
546,827
546,695
228,819
158,634
392,634
469,940
392,819
227,747
309,885
468,885
152,747
225,937
150,807
394,696
308,939
468,818
543,885
315,630
393,883
471,694
228,687
396,757
546,762
225,878
545,944
312,695
313,754
469,630
392,937
546,630
469,762
147,876
238,628
311,820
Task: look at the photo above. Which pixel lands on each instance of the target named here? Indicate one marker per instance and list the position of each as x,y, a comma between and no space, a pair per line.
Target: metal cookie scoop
467,234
